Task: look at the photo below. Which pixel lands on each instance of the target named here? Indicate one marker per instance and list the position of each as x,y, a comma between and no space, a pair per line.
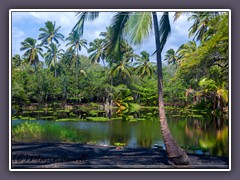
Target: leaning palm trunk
175,154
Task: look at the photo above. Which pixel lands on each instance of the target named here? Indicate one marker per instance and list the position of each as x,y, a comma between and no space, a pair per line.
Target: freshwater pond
198,134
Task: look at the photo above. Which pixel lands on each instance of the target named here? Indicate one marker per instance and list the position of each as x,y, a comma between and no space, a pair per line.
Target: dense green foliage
196,74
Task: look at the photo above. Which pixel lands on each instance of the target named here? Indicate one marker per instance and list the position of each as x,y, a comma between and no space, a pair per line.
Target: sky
27,24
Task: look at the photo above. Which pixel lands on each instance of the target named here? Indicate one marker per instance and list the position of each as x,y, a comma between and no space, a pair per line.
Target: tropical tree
16,60
200,25
50,33
32,50
136,26
97,50
185,50
144,66
52,56
171,56
75,45
121,68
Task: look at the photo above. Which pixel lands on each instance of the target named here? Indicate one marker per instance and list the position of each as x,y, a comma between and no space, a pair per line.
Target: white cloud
17,37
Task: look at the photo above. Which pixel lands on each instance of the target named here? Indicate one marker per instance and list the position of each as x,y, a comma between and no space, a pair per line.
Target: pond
193,131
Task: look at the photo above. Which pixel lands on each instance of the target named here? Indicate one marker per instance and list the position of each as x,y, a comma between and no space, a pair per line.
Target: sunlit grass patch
47,132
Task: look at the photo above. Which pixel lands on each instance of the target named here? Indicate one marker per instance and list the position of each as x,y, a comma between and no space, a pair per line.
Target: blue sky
27,24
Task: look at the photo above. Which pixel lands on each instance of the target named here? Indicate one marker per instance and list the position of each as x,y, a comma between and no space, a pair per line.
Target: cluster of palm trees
136,26
182,54
211,88
120,63
114,48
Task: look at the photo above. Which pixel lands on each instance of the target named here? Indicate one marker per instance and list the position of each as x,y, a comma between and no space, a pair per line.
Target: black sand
84,156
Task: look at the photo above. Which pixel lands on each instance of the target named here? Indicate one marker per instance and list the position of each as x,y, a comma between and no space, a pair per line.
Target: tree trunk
175,154
55,70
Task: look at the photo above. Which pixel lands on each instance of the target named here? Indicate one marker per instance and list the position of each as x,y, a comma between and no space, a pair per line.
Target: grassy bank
35,132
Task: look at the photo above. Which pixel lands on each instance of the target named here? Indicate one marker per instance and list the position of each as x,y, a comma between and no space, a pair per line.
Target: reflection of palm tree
137,26
32,50
52,56
50,34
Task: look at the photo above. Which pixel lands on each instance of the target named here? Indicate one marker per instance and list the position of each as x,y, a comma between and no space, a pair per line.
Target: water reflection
207,135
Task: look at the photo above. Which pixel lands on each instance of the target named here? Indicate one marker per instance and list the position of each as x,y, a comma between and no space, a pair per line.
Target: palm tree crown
171,56
50,33
31,50
53,54
97,50
144,66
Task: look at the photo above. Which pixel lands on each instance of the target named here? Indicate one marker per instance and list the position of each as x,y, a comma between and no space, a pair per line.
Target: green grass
68,119
63,110
98,118
39,111
48,117
26,118
149,107
196,115
48,132
102,119
95,112
119,144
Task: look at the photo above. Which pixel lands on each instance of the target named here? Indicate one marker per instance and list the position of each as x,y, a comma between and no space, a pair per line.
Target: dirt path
80,156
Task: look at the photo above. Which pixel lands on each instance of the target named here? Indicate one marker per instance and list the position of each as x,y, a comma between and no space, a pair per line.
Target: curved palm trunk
175,153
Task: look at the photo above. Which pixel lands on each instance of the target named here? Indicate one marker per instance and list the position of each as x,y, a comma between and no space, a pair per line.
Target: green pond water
194,131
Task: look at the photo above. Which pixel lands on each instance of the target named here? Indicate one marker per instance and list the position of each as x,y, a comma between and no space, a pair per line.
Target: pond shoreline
87,156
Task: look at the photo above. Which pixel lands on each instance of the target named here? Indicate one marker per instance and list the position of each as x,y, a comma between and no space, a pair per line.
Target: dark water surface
196,134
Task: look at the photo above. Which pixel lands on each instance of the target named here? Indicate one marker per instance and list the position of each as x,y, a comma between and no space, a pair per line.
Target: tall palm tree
171,56
50,33
121,68
136,26
52,55
32,50
125,50
201,23
97,50
144,66
16,60
75,45
185,50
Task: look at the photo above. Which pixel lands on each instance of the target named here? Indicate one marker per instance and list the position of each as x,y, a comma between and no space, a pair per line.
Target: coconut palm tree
201,23
52,55
97,50
137,26
16,60
185,50
75,45
50,33
171,56
32,50
121,68
144,66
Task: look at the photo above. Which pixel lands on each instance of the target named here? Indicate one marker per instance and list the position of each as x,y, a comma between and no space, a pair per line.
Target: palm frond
164,30
138,26
82,17
117,29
